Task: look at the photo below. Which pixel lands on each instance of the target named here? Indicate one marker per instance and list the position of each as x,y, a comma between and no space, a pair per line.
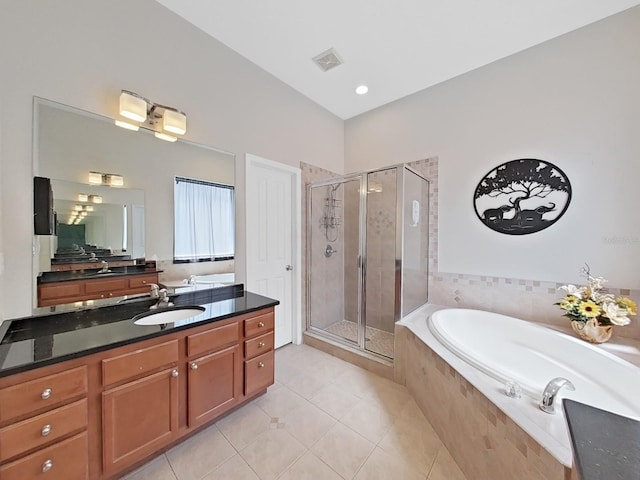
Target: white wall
573,101
82,53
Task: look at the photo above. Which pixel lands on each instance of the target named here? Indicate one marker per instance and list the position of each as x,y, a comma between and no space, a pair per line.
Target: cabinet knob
260,365
47,465
46,393
174,372
46,430
261,345
194,366
260,324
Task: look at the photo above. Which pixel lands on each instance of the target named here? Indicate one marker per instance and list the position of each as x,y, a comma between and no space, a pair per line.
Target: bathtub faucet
550,392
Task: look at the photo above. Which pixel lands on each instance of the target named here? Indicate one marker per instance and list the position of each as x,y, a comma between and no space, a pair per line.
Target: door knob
288,268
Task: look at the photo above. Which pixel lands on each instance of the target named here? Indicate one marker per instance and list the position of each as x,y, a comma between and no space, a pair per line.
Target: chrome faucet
155,291
163,300
105,267
550,391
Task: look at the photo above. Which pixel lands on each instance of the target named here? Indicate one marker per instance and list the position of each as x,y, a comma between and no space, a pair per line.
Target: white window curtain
204,221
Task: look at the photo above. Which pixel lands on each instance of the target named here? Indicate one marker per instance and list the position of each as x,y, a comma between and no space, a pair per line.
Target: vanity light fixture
165,137
95,198
83,197
108,179
151,116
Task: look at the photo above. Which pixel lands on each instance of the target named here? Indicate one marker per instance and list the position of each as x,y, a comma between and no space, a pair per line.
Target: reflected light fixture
151,116
83,197
95,198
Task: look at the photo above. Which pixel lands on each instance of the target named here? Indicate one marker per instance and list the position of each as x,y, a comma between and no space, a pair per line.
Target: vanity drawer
258,345
60,290
66,460
139,281
258,373
139,362
42,393
212,340
42,429
258,325
112,285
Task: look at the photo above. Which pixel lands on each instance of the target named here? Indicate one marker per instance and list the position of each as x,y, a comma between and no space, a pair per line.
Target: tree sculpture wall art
522,196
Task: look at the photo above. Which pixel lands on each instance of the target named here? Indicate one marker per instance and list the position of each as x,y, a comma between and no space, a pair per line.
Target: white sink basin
167,315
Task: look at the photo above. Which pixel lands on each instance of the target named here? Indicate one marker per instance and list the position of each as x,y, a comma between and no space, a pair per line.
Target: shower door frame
361,244
362,251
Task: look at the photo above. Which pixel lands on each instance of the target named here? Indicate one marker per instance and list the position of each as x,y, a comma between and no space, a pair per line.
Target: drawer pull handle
174,372
47,465
194,366
46,430
260,365
260,324
46,393
261,345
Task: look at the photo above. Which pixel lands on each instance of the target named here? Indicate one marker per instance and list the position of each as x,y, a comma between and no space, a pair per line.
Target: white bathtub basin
506,348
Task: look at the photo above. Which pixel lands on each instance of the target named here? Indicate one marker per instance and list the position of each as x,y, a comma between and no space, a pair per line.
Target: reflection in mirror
70,143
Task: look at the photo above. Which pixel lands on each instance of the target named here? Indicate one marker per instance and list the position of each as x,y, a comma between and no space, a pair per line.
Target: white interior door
272,242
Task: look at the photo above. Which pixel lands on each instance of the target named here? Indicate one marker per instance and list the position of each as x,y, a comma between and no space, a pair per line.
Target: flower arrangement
591,304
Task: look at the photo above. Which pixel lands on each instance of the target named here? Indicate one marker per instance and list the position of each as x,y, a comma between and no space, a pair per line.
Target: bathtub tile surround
481,438
319,438
526,299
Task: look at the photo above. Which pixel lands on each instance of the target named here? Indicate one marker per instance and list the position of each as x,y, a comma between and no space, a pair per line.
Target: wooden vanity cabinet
56,293
43,426
139,404
214,373
100,416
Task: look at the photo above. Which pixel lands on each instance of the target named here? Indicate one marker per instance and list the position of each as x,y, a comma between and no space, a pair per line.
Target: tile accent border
483,441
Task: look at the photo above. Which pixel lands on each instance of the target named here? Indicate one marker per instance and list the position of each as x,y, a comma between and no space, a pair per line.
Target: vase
591,331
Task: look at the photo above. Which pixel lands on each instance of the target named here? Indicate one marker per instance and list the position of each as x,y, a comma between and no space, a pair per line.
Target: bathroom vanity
88,394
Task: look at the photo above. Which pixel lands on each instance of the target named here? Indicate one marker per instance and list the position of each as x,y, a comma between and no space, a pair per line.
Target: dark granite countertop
86,258
606,446
41,340
67,276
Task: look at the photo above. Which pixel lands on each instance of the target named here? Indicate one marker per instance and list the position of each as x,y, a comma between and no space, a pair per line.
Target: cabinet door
138,418
214,384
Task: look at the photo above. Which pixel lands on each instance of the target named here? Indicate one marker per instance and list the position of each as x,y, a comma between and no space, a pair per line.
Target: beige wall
83,52
574,101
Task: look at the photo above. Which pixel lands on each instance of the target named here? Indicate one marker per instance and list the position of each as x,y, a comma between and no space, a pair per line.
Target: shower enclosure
367,255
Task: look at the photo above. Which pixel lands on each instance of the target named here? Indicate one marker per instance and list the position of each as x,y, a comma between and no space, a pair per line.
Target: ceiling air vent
327,60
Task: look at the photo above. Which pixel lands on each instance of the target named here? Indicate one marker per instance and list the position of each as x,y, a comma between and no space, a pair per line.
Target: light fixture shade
127,125
83,197
95,178
115,180
133,106
78,208
174,122
88,208
165,137
95,198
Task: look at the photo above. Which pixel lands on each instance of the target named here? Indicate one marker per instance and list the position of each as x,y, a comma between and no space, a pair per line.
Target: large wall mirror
135,218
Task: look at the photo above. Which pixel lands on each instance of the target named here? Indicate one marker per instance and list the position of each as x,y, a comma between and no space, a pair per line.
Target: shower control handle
288,268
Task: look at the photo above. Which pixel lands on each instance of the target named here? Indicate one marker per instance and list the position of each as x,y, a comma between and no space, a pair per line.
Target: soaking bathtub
489,350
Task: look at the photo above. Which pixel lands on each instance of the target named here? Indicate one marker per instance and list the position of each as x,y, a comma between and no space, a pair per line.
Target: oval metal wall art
522,196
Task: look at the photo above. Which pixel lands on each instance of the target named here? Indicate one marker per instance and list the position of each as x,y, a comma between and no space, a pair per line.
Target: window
204,221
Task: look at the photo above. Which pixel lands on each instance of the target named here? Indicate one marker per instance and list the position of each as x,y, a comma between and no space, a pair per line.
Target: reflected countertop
50,338
67,276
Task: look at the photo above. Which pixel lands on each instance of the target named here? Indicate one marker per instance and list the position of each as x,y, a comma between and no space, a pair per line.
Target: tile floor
324,419
376,340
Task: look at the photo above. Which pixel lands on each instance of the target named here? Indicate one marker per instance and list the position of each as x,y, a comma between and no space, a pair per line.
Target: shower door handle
288,268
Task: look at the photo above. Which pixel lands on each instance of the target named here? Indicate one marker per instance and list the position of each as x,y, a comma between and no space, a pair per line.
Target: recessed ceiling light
362,89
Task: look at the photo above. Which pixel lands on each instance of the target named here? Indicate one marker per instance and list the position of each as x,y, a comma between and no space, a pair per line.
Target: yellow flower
629,304
589,309
571,299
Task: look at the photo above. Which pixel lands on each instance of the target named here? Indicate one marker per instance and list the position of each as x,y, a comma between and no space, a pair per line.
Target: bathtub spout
550,391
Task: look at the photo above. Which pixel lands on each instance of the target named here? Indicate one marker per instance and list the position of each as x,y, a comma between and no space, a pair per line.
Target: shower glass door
334,259
381,274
